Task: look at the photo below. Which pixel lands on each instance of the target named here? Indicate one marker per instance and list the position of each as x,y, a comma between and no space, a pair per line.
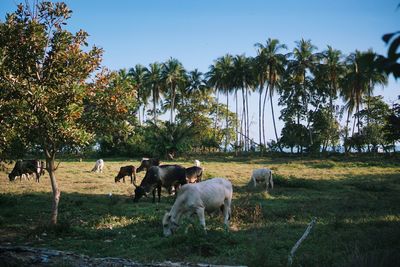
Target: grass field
356,202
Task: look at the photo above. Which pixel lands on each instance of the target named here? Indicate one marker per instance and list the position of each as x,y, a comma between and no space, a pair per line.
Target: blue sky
198,32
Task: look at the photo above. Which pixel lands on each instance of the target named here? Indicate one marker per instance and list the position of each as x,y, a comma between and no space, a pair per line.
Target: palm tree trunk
273,120
216,114
247,118
263,113
154,107
244,118
227,117
237,122
346,147
259,117
172,104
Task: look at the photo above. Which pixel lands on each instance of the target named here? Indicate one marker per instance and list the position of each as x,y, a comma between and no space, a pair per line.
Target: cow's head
146,163
139,192
117,178
11,176
169,225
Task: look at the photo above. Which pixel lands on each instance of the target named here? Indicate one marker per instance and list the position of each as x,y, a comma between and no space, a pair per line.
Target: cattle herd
194,197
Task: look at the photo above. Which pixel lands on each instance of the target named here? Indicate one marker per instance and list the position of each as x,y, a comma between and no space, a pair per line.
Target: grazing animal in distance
27,167
260,175
99,165
129,170
146,163
197,163
196,199
167,176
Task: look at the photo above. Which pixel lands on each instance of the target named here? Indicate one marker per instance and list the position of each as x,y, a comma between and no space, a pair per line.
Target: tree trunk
259,118
346,147
237,124
216,113
263,113
273,119
227,119
172,103
244,127
154,107
247,119
50,159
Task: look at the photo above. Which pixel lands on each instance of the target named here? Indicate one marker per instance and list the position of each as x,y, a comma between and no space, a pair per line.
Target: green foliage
43,72
392,125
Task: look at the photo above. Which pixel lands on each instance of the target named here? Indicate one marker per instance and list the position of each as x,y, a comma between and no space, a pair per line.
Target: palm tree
153,80
242,79
333,69
174,75
274,63
219,76
361,77
195,82
138,74
304,61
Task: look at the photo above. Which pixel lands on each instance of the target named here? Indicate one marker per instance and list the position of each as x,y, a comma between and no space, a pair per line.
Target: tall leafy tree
44,69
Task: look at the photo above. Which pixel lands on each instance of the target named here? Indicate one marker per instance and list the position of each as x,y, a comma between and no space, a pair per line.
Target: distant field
356,202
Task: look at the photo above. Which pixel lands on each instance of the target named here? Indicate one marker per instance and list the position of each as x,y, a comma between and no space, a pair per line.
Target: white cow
208,196
98,167
263,174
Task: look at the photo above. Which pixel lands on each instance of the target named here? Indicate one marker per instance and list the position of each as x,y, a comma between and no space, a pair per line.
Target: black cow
194,174
27,167
146,163
126,171
166,176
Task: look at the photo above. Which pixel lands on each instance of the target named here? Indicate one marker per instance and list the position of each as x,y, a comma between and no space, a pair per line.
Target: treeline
309,84
119,113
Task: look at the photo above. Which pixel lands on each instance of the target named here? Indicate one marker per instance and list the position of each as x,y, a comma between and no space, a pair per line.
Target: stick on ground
296,246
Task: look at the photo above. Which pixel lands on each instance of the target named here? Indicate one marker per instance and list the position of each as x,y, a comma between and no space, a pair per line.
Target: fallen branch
296,246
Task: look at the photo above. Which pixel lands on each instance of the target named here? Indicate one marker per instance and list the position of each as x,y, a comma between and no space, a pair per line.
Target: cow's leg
37,177
202,219
123,179
159,193
134,177
271,181
254,181
227,213
154,194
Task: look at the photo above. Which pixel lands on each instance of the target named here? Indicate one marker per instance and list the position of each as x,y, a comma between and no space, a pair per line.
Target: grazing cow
208,196
146,163
166,176
27,167
263,174
197,163
194,174
129,170
98,167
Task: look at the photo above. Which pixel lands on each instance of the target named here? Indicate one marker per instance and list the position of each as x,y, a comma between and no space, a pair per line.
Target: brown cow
129,170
